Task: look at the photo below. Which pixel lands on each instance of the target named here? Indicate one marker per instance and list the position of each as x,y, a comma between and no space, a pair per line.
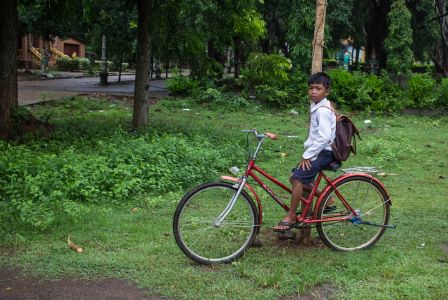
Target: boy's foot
285,226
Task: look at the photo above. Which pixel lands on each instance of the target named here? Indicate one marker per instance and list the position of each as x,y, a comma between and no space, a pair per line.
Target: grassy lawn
133,239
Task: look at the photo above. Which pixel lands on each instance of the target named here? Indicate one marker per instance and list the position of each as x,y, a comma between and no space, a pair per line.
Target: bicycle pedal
286,235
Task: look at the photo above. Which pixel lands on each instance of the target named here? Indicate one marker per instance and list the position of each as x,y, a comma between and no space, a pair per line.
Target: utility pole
318,40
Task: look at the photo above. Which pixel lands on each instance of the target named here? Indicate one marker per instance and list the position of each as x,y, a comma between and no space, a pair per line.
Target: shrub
40,184
264,69
272,94
181,85
442,98
67,64
84,64
359,91
228,101
420,91
115,66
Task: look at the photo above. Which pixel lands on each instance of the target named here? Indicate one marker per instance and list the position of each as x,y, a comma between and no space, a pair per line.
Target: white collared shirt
322,129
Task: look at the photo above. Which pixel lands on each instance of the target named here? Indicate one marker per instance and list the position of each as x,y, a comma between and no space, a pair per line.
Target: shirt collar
323,102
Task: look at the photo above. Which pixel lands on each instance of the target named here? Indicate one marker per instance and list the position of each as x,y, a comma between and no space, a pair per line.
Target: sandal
285,224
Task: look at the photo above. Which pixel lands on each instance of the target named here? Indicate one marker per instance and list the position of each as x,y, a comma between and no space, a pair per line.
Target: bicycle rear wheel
202,240
364,228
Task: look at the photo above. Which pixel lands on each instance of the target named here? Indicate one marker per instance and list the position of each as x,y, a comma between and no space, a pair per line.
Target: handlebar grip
272,136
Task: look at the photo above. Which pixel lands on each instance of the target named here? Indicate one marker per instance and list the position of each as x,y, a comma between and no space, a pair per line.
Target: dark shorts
324,159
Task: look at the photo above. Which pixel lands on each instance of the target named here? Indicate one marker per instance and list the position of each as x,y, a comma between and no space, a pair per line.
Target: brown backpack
345,139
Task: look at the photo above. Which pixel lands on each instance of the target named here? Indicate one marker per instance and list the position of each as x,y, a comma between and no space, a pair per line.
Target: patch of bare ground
15,286
326,291
268,237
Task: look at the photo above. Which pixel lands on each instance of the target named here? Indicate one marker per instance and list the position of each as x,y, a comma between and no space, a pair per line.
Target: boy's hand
305,164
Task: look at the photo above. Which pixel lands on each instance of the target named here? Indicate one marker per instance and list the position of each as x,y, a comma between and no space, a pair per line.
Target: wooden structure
29,46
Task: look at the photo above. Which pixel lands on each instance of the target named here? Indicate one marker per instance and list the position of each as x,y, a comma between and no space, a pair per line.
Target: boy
318,154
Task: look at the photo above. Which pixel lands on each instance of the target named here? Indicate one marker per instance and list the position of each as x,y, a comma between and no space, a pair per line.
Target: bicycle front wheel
197,233
361,229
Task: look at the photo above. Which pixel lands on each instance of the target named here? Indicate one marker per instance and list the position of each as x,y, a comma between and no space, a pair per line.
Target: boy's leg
290,218
299,178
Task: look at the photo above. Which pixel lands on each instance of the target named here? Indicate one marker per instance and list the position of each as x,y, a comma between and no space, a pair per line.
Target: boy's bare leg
291,217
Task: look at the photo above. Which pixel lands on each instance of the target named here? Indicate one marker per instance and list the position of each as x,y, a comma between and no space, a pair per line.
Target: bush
359,91
40,184
421,91
84,64
115,66
442,98
264,69
272,95
181,85
99,63
229,101
67,64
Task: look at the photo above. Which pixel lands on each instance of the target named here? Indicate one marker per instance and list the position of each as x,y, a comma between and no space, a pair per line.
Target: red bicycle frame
303,217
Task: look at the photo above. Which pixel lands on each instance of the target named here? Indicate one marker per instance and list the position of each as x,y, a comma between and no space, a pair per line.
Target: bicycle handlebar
261,136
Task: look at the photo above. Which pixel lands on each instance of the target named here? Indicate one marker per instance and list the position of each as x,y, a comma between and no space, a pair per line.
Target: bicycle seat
334,166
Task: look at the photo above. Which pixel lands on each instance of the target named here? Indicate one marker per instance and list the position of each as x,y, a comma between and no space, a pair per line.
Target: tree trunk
8,66
237,56
103,74
120,67
318,40
441,11
377,32
143,69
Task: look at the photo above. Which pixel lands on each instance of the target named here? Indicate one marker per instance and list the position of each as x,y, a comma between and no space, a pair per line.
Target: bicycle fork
218,221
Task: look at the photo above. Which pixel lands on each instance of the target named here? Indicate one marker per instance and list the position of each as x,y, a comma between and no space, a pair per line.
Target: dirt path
15,286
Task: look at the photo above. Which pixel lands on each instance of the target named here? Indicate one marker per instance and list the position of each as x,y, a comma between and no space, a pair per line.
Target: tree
143,68
399,39
301,23
8,66
318,40
442,52
275,14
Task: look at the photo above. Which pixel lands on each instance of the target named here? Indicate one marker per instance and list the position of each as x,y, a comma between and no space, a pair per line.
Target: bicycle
216,222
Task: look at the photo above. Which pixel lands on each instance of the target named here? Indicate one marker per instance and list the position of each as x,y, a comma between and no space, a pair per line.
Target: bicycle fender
339,179
251,189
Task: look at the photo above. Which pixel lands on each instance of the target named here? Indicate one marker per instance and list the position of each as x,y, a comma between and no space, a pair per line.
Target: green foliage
266,69
72,64
67,64
358,91
381,151
398,43
42,183
225,100
442,99
421,91
272,94
300,33
180,85
84,63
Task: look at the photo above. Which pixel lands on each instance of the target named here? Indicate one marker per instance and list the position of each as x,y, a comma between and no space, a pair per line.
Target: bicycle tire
206,243
372,203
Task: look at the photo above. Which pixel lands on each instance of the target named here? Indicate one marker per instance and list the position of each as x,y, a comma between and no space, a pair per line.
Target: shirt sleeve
322,136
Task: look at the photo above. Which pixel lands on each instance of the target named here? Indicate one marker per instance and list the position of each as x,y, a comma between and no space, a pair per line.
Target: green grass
410,262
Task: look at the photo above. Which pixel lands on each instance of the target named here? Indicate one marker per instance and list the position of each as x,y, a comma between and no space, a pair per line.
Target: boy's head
319,86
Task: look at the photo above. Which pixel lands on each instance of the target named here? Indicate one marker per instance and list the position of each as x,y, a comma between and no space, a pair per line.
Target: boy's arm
323,137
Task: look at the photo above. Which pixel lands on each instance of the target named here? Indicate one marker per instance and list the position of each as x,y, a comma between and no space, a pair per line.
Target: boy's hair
320,78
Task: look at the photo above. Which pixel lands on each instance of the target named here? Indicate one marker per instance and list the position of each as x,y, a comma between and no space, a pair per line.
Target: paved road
42,90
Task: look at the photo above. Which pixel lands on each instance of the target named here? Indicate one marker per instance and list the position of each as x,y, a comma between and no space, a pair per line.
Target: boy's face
317,92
